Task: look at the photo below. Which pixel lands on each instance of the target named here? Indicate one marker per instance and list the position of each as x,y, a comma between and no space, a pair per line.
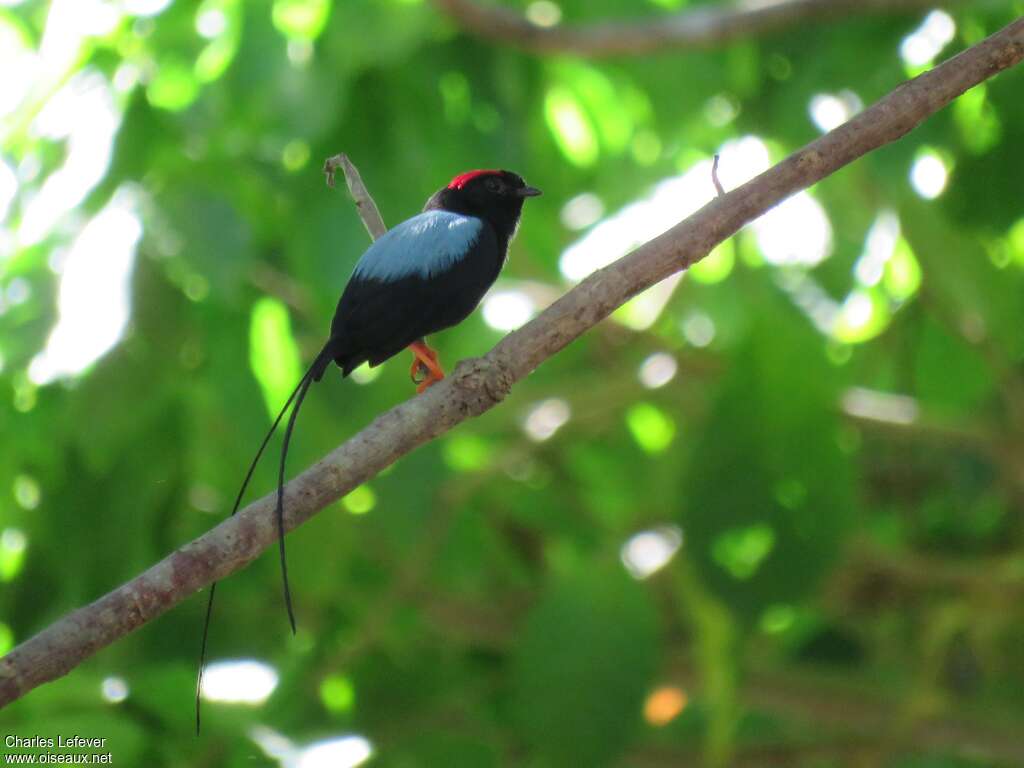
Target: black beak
528,192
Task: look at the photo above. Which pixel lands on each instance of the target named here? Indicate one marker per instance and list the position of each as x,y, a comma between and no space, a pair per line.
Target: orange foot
426,370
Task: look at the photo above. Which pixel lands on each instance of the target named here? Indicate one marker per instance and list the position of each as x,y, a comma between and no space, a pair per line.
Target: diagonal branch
700,27
479,384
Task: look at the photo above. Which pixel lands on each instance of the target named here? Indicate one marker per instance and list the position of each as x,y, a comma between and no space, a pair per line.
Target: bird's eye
493,184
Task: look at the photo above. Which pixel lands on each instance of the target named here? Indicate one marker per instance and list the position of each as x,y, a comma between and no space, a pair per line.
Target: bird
425,274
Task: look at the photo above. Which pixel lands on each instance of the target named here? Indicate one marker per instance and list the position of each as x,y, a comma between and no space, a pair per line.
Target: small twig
367,209
714,178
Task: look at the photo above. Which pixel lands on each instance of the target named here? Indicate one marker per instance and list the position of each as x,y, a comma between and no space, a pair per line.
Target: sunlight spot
8,189
582,211
275,745
27,492
880,406
863,315
614,237
337,693
217,56
699,329
651,427
24,394
114,689
205,498
649,551
506,310
829,111
720,110
94,298
18,291
929,174
716,266
878,248
658,370
341,752
301,19
174,85
646,147
295,155
13,543
811,298
242,681
68,23
273,352
84,112
126,77
641,312
360,500
364,374
466,452
857,310
211,22
777,618
13,540
573,130
796,232
977,120
664,705
902,276
16,55
740,160
546,418
926,42
144,7
300,52
543,13
741,551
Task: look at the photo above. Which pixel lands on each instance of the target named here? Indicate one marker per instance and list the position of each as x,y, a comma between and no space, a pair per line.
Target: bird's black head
495,196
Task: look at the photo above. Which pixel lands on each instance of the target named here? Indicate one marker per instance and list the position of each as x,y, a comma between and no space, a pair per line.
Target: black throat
503,215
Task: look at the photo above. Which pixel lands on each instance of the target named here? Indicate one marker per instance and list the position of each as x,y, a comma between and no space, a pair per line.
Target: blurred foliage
835,445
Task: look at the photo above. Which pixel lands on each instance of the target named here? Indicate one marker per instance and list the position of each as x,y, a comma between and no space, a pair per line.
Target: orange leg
426,369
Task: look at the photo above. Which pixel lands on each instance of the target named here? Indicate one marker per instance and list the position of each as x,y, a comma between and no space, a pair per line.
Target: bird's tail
314,373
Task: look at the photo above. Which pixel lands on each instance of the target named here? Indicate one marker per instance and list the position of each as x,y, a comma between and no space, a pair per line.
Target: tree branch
700,27
479,384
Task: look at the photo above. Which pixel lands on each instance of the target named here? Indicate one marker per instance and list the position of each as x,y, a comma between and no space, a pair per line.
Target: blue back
424,246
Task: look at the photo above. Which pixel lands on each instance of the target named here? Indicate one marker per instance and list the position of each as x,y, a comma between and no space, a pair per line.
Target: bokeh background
770,513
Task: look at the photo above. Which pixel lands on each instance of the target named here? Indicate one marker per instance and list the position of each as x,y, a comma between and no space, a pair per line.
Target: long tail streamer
315,371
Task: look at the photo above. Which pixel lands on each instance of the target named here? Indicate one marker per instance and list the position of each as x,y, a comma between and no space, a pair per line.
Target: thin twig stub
365,205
